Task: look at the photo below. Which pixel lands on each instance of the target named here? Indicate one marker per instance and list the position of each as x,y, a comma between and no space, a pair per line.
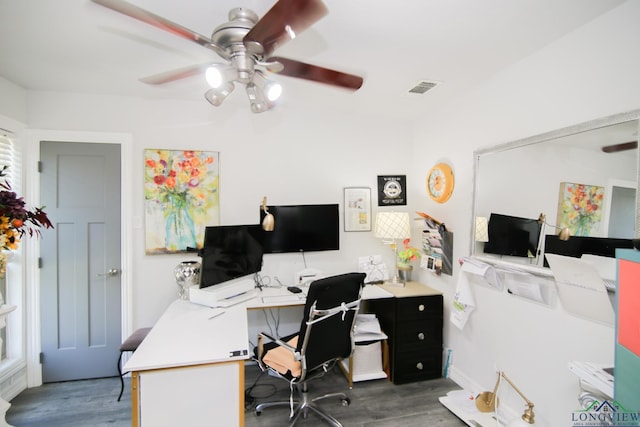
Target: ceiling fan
247,43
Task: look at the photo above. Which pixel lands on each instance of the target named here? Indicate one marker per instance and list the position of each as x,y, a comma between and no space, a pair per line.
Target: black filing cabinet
414,326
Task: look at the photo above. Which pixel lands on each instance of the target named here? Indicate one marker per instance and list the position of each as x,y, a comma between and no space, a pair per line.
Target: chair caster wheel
258,413
346,401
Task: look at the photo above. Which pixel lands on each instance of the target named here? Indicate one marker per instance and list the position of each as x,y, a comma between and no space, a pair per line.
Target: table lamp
486,402
563,234
268,222
389,227
482,229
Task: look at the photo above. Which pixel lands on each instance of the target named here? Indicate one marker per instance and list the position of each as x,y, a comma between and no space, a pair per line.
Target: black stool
130,344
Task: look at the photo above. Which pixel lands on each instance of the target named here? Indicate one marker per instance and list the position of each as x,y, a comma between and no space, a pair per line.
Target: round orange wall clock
440,182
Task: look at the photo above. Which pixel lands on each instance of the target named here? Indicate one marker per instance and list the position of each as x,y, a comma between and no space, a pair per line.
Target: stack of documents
367,328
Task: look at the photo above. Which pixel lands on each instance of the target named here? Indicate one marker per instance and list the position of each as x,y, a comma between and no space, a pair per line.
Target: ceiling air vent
422,86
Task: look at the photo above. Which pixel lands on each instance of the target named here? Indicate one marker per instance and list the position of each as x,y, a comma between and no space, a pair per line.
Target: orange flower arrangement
408,254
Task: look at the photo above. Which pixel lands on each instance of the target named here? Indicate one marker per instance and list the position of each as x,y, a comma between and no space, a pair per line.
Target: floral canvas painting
181,192
580,208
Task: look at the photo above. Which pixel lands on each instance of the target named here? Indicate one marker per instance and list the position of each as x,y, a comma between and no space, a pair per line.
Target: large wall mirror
533,176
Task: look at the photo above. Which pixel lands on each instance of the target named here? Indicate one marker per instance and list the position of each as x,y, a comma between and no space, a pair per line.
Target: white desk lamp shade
392,225
482,229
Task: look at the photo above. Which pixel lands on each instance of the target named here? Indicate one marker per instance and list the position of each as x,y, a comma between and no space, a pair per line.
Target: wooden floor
92,403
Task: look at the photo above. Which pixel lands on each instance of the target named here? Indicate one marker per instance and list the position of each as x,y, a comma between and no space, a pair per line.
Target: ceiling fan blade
162,23
315,73
614,148
173,75
282,23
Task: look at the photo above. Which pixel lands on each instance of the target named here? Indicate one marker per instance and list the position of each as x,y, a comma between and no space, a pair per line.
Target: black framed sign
391,190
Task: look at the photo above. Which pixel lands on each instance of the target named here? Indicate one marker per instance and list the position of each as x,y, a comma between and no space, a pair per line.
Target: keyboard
236,299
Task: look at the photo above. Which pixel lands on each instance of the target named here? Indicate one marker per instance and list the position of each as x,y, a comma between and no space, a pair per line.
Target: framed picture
181,197
391,190
357,209
580,208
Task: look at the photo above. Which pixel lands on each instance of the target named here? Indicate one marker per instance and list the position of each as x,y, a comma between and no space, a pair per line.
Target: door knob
112,272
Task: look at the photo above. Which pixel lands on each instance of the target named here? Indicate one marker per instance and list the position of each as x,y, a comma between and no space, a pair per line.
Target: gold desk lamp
268,222
486,402
563,234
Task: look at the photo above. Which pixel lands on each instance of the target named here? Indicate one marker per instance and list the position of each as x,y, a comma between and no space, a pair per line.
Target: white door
80,260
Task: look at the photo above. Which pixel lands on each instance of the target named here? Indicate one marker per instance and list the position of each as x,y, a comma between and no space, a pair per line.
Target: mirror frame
548,136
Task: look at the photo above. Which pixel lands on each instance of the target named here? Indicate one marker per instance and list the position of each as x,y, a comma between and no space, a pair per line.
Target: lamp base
395,281
485,402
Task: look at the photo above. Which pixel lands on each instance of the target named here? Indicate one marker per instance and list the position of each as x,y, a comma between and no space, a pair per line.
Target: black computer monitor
303,228
230,252
513,236
577,246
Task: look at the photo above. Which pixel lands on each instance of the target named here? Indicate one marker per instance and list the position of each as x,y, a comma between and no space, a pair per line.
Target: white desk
189,370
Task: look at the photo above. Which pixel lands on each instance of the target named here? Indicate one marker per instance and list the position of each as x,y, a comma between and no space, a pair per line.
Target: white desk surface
281,297
184,335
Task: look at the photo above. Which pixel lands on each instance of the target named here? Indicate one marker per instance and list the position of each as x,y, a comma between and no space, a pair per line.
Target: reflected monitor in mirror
577,246
513,236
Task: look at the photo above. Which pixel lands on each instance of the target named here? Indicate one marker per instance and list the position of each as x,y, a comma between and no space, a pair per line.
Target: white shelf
364,376
462,404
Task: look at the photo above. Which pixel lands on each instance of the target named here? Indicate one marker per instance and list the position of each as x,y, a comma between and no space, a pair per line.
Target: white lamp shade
392,225
482,229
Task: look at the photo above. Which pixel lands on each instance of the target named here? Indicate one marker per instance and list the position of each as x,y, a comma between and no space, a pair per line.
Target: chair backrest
332,337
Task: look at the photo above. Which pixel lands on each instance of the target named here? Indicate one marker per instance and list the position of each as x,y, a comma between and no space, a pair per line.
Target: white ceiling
79,46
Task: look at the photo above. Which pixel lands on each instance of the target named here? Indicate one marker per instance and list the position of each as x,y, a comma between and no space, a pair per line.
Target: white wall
591,73
292,157
13,102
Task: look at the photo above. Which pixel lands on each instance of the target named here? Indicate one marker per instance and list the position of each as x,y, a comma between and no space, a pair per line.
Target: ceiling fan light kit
247,42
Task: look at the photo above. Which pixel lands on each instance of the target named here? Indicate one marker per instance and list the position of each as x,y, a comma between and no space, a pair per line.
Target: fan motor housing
241,20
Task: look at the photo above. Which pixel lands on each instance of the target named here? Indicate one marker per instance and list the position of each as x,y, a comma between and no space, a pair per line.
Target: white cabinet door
193,396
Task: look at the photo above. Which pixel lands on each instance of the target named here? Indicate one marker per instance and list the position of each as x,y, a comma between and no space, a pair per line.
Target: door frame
31,157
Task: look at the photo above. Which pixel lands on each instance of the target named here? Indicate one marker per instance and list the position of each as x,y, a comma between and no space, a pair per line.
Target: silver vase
404,273
187,275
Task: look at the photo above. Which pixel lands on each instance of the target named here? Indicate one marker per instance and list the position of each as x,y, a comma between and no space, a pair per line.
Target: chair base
305,404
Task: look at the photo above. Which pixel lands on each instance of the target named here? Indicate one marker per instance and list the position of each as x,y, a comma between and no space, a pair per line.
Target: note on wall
581,289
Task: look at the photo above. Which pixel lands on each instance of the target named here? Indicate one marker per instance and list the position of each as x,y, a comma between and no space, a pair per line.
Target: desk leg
386,367
347,371
135,400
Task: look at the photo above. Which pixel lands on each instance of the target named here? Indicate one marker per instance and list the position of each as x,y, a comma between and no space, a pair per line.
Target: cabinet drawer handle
421,336
419,366
421,307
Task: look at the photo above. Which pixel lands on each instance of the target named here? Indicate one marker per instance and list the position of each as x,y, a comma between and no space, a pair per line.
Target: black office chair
325,337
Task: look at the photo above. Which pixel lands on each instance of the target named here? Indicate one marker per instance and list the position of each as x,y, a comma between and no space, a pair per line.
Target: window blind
10,156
